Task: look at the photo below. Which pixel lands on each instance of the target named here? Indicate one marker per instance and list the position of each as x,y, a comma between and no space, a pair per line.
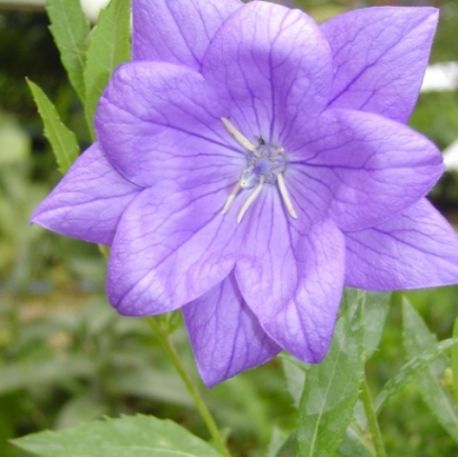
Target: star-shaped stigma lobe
266,164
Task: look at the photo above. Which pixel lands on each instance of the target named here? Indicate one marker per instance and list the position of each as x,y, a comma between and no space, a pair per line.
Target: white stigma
266,164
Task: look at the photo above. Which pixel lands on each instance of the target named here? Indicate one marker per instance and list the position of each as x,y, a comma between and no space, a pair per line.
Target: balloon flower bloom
250,164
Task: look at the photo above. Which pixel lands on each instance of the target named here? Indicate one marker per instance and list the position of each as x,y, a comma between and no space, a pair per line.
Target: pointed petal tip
434,12
319,354
131,308
415,250
212,377
311,352
226,337
39,218
34,218
399,39
209,379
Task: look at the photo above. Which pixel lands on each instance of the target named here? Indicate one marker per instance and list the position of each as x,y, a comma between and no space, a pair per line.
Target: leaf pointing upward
70,29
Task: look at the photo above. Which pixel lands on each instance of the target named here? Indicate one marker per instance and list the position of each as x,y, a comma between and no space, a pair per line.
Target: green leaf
353,444
412,368
27,375
295,374
288,448
455,360
70,29
14,142
375,313
331,388
61,138
125,436
146,383
376,307
80,409
277,441
109,46
418,339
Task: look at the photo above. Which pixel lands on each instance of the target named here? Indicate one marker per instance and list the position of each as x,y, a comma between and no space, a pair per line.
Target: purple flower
250,163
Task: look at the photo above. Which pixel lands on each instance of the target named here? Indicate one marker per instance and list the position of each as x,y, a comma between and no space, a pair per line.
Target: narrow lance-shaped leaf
70,29
418,339
125,436
109,46
331,388
62,139
376,306
413,368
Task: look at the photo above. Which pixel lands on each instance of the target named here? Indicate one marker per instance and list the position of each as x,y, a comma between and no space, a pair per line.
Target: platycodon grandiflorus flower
250,163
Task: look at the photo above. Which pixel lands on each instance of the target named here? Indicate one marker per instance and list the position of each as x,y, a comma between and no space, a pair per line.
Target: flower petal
170,248
292,279
380,57
416,249
374,166
225,335
177,31
269,63
156,113
89,201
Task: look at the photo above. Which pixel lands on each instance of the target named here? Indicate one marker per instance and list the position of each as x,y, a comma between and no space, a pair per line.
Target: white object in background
441,77
438,78
451,157
92,8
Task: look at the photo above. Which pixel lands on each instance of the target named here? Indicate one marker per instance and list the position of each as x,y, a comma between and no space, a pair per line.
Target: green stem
372,421
207,417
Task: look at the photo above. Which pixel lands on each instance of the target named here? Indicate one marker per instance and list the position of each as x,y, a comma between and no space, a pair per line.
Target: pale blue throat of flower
266,165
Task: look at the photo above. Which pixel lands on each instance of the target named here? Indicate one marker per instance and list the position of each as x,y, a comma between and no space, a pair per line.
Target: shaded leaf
455,359
70,29
26,375
277,440
79,409
109,46
14,142
412,368
331,388
418,339
289,446
150,384
353,445
62,139
375,313
295,374
376,307
125,436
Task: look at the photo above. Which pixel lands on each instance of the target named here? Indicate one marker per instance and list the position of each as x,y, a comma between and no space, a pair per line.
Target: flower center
266,161
266,164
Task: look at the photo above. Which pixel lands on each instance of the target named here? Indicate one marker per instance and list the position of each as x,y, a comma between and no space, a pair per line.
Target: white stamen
238,136
249,202
286,197
232,196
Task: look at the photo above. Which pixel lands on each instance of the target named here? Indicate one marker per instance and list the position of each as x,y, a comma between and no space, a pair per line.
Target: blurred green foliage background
65,355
